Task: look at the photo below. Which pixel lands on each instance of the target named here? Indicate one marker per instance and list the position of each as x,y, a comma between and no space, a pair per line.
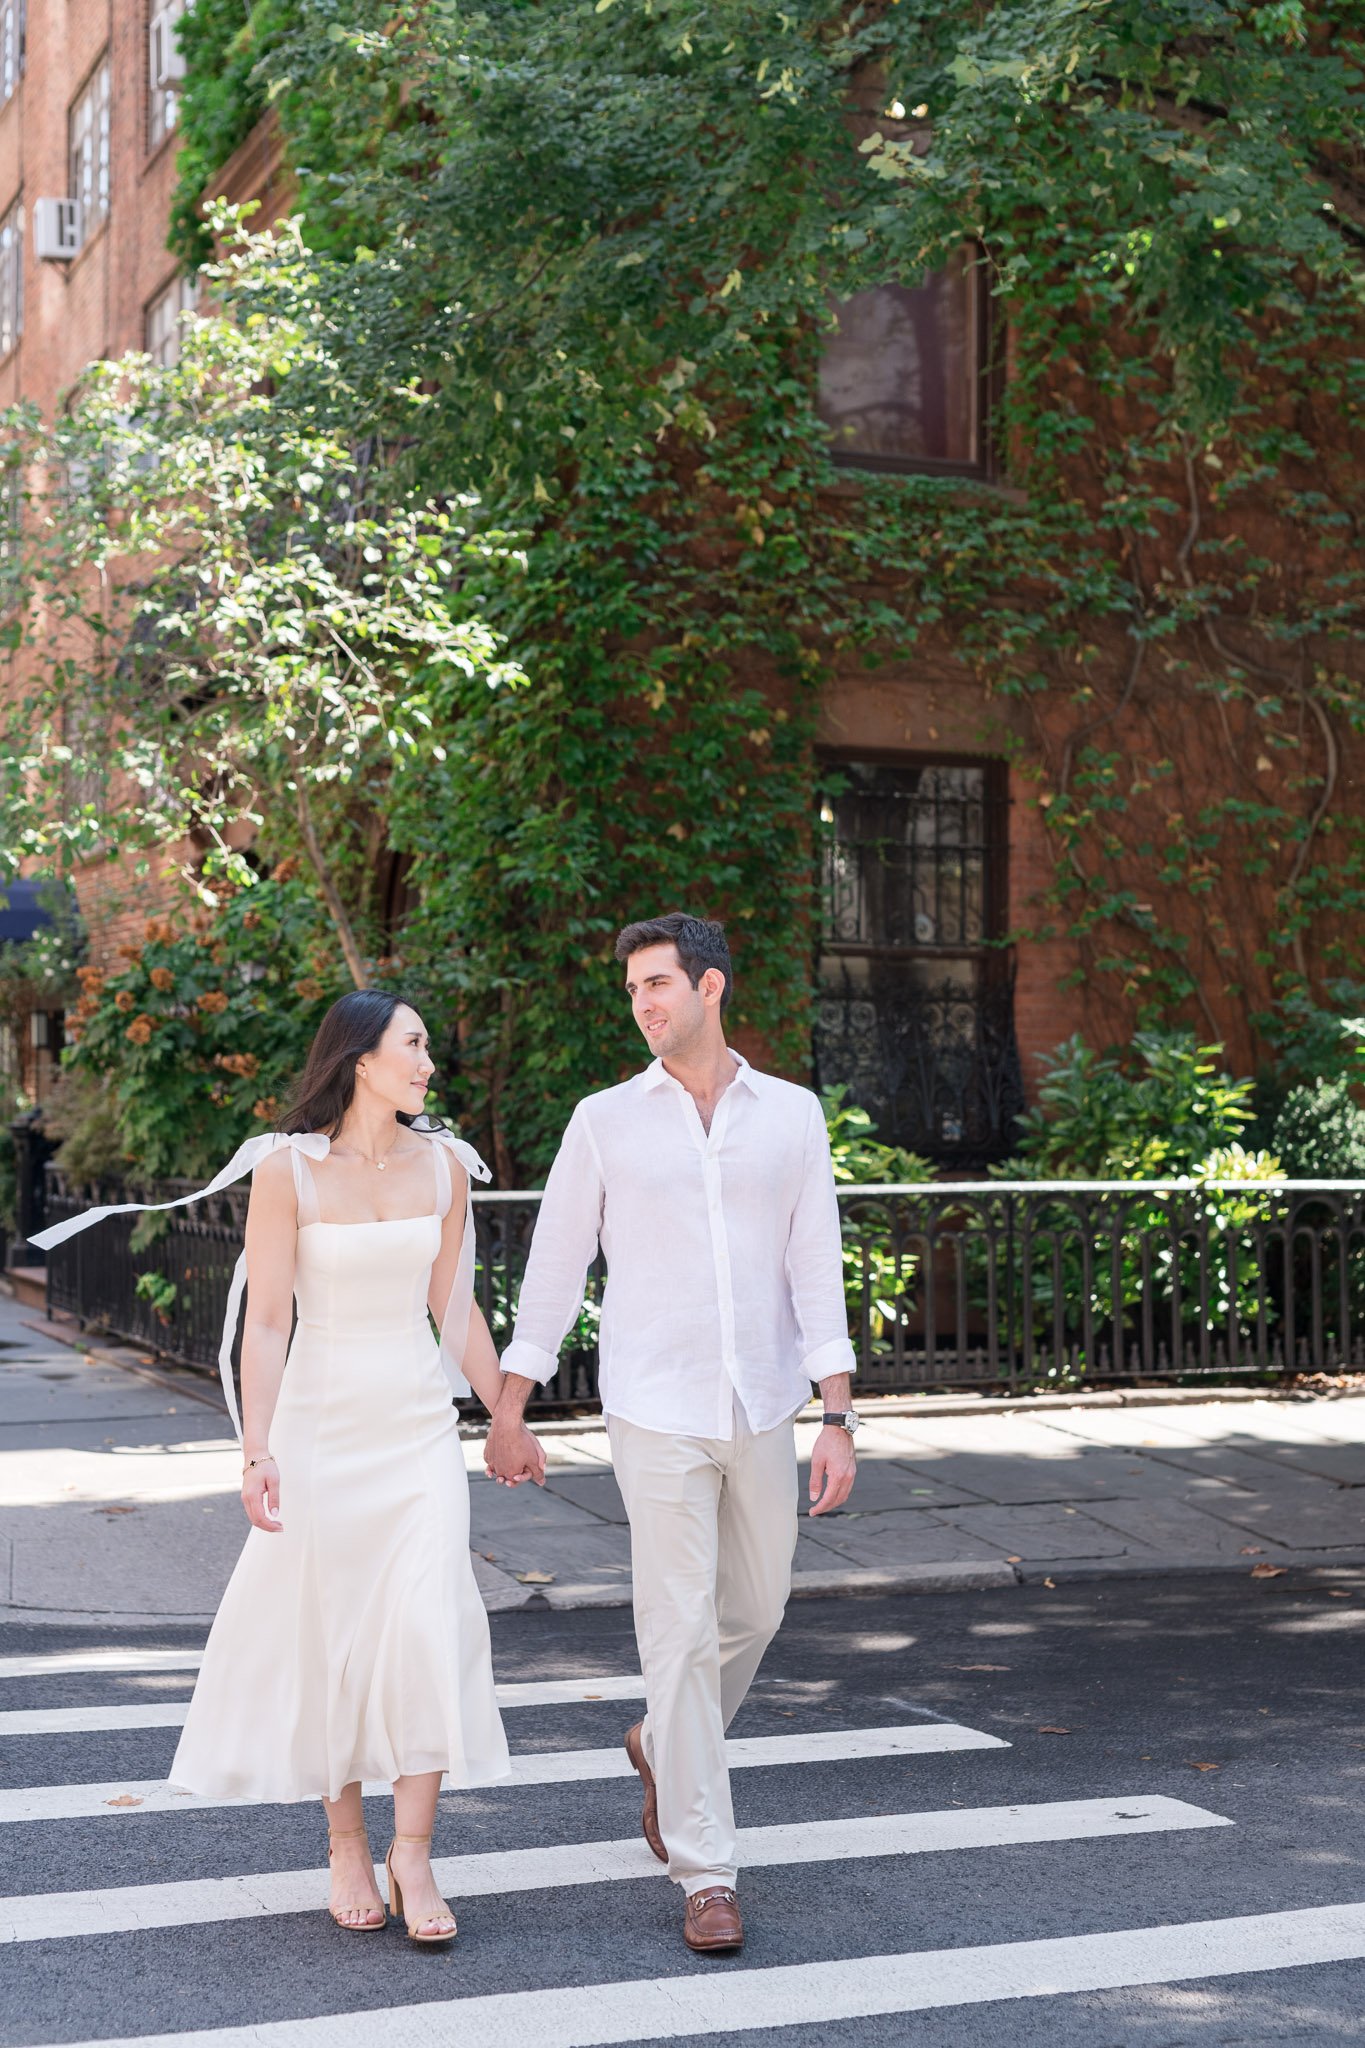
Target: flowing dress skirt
353,1644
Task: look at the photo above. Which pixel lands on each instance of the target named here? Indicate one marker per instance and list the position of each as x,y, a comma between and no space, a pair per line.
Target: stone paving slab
118,1494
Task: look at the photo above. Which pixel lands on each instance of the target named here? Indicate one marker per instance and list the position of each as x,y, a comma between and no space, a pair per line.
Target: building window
165,68
11,536
12,38
89,148
904,381
11,278
164,314
914,1005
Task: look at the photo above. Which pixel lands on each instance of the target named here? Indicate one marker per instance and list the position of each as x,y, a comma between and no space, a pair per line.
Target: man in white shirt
710,1190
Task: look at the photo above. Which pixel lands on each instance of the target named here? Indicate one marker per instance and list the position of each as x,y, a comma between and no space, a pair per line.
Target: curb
202,1387
974,1575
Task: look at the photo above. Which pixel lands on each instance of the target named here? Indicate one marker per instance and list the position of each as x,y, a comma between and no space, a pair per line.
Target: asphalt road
1092,1709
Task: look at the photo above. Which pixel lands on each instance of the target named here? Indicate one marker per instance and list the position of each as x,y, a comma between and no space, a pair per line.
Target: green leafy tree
231,616
579,261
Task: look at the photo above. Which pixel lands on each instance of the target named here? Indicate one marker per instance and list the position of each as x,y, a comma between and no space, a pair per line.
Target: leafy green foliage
1165,1112
578,261
1155,1115
575,263
223,96
857,1152
199,1034
1320,1131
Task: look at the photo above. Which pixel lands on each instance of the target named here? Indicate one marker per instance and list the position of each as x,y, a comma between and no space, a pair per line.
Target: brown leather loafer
713,1920
649,1819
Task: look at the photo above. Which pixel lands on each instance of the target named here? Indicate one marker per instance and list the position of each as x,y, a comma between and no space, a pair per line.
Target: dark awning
28,907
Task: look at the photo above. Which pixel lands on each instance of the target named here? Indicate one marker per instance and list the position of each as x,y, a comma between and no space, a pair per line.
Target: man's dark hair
700,942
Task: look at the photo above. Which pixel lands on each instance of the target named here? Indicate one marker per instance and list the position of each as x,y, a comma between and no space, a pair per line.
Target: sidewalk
118,1495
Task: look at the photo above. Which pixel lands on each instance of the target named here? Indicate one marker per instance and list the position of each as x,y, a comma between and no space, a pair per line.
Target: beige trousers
712,1533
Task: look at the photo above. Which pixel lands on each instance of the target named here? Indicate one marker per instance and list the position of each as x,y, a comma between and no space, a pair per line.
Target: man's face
669,1011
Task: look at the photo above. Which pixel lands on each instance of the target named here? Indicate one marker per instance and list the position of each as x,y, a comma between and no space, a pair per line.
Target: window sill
966,486
91,242
158,150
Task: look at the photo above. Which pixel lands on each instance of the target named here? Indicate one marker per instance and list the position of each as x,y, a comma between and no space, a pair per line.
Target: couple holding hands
351,1644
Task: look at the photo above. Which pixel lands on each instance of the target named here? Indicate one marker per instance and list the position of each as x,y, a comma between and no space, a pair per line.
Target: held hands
833,1469
512,1454
261,1495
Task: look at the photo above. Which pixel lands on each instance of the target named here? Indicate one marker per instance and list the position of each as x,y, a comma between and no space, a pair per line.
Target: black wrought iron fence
997,1285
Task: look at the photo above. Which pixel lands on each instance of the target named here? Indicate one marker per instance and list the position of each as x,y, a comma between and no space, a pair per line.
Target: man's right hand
511,1453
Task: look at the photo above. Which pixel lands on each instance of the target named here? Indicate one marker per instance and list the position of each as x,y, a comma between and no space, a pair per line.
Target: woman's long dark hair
352,1027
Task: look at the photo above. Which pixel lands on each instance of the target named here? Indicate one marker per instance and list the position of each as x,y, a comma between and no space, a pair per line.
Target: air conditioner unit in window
167,64
58,229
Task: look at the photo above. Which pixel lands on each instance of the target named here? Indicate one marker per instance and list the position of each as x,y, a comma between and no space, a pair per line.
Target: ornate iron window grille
914,1005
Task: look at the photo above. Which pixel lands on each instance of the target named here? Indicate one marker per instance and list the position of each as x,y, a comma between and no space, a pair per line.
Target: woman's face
400,1068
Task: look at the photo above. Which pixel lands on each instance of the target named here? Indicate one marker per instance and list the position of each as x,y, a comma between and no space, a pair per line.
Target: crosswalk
690,2001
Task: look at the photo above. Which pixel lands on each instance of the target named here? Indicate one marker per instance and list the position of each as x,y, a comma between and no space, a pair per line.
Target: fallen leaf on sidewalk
1337,1593
489,1556
1054,1731
124,1799
1204,1767
1268,1571
115,1507
1251,1550
977,1667
1052,1583
1014,1560
536,1578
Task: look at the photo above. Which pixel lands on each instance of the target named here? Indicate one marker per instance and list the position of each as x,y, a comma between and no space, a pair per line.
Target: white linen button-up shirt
724,1260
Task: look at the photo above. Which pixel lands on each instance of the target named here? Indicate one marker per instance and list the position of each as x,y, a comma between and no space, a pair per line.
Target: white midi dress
353,1644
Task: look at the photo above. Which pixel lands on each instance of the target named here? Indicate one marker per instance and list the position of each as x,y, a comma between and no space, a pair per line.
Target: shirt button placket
725,1299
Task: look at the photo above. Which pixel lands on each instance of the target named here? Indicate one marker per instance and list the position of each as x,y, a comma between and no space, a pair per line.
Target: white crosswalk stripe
61,1915
739,2000
171,1713
545,1767
60,1663
673,2007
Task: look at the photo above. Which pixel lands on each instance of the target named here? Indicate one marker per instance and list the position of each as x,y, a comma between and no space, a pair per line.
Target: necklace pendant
379,1165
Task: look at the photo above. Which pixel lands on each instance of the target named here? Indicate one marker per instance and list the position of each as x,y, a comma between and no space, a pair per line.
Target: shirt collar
656,1074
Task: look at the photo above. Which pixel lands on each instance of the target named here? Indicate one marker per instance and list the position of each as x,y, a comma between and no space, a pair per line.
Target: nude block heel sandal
440,1932
353,1926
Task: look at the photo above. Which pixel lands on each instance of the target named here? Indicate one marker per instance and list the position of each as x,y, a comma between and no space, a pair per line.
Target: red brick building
939,848
87,169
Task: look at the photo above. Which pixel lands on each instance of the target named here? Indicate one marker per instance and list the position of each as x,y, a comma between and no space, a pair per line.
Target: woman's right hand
261,1495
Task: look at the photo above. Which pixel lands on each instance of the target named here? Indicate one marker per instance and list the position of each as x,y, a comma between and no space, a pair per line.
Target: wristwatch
845,1419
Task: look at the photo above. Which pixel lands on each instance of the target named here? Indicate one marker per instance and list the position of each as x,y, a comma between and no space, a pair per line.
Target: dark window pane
901,376
914,1003
907,861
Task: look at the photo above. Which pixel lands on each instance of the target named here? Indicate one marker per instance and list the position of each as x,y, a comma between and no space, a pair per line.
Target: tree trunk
331,895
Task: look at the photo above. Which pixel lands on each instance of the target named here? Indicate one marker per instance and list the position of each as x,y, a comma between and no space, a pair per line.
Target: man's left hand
833,1469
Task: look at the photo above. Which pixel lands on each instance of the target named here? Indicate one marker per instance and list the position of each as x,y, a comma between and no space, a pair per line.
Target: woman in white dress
351,1644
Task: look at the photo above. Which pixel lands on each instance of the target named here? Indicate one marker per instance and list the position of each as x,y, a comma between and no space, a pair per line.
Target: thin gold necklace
379,1164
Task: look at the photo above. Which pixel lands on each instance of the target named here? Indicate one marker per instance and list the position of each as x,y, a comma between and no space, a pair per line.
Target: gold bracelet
264,1459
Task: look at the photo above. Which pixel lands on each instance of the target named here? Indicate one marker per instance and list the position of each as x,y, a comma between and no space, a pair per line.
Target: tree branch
331,895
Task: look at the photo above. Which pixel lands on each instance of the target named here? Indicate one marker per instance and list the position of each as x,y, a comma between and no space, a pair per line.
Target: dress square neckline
302,1170
369,1223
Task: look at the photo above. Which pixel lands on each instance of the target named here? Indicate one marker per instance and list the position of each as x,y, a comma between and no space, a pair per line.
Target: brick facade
927,705
95,305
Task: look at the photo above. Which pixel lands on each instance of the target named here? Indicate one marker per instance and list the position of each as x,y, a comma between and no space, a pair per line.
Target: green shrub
1153,1115
1320,1131
877,1268
1166,1111
197,1037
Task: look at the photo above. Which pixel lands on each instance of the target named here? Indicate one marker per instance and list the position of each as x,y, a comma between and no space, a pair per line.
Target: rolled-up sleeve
563,1247
815,1264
